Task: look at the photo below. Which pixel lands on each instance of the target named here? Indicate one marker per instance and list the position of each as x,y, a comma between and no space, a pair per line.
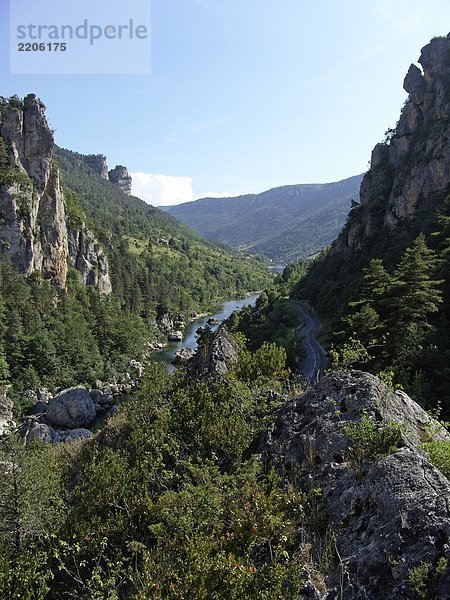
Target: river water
190,339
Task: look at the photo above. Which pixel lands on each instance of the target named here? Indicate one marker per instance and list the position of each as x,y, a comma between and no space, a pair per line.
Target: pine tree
414,291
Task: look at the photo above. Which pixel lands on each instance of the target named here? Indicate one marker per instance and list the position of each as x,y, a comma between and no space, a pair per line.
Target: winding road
315,360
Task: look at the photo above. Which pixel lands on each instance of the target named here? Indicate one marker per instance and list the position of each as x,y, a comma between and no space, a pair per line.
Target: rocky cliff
384,511
98,163
414,160
120,177
33,220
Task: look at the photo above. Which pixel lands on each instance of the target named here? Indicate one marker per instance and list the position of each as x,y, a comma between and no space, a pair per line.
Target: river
190,340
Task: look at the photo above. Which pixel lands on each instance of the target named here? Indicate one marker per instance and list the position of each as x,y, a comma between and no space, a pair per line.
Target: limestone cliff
33,220
97,162
120,177
414,161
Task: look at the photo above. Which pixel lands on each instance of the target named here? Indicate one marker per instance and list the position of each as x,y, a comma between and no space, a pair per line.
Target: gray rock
97,162
120,177
216,354
74,434
389,517
72,408
33,229
183,356
7,423
40,431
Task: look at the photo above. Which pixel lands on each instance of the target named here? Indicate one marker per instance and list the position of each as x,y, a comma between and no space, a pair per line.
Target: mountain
86,269
284,224
383,287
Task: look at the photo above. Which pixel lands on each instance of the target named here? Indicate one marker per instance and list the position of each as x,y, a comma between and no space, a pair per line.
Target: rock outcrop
32,227
414,162
89,258
390,514
120,177
33,220
72,408
98,163
216,353
7,423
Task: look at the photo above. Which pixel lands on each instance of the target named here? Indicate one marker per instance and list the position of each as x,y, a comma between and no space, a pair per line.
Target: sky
243,95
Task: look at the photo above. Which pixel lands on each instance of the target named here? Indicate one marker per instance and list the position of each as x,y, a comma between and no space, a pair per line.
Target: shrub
439,454
369,441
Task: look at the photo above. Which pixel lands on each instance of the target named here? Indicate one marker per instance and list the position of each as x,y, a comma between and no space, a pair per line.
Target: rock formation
33,223
388,515
33,227
414,161
97,162
216,354
7,423
120,177
89,258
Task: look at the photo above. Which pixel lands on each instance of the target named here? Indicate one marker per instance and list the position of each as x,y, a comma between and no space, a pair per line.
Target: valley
167,432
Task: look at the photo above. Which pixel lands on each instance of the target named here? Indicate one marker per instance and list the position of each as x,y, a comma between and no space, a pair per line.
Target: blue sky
243,95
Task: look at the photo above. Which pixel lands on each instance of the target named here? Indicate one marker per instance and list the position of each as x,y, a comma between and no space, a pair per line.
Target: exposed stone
120,177
33,228
97,162
170,322
415,163
390,516
183,356
72,408
216,354
7,423
175,336
88,257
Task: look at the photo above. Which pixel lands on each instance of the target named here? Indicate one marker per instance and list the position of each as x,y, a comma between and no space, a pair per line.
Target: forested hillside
85,269
383,287
284,224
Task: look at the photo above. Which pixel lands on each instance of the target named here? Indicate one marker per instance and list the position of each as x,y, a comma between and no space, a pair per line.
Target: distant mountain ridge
284,224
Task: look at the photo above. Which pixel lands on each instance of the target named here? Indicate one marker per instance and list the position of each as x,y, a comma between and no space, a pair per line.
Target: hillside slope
401,318
284,224
86,270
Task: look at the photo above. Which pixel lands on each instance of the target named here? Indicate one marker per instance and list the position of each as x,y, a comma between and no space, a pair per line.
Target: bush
439,454
369,441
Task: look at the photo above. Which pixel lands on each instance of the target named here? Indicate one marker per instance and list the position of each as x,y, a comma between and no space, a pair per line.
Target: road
315,360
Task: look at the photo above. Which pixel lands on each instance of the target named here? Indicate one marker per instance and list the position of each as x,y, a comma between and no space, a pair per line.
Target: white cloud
162,190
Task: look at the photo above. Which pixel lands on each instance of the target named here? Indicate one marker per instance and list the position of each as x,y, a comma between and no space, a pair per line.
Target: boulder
72,408
390,514
74,434
183,356
175,336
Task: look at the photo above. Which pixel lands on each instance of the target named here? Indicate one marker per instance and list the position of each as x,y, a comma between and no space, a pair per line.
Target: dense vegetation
387,306
54,338
284,224
157,264
274,318
168,501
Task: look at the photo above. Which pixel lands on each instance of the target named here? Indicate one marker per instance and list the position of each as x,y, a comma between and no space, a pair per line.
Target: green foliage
423,578
152,256
275,318
370,441
284,224
167,502
439,454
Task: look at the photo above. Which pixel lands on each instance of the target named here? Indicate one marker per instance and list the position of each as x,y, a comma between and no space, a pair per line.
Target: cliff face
414,162
120,177
33,224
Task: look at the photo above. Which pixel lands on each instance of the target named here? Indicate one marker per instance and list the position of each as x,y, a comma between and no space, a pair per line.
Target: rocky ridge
34,225
414,160
388,514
